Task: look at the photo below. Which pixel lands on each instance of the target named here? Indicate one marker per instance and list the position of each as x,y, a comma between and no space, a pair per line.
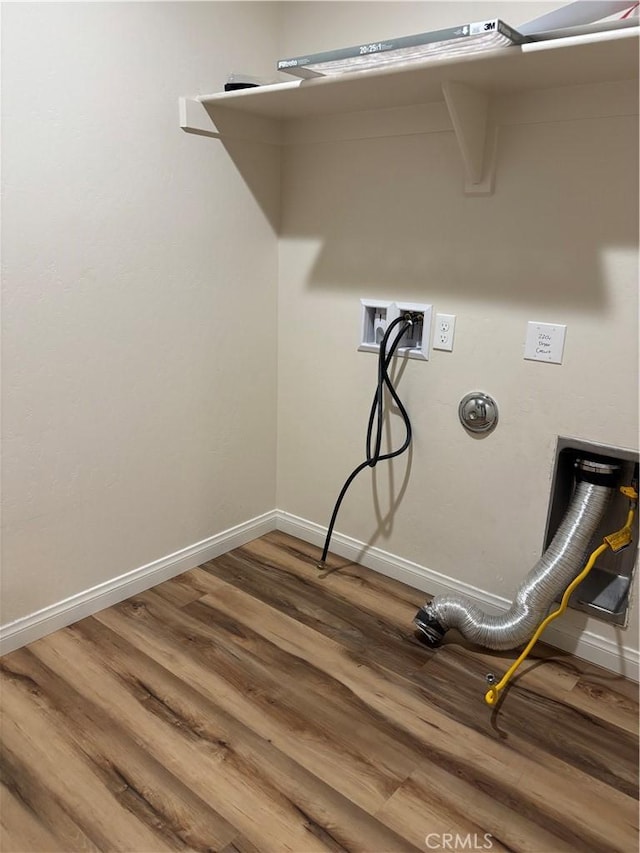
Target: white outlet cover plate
545,342
444,332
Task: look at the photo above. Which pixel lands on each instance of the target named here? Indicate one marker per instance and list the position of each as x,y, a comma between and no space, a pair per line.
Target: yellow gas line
616,542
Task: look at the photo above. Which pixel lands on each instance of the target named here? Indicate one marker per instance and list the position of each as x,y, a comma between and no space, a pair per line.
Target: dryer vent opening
594,488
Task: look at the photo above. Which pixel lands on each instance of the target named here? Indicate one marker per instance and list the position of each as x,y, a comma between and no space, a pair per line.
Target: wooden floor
253,704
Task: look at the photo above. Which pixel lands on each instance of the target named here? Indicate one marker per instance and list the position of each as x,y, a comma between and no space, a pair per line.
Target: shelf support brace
222,123
469,113
194,118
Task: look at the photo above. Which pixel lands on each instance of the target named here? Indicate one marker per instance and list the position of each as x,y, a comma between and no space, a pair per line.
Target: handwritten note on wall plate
544,342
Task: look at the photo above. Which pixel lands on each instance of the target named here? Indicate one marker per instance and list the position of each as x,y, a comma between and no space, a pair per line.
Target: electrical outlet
443,336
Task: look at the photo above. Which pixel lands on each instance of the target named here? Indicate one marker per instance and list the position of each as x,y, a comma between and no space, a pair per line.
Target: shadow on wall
385,515
256,157
259,166
391,211
387,495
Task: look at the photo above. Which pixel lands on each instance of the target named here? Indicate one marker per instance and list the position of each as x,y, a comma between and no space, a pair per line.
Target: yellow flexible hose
616,541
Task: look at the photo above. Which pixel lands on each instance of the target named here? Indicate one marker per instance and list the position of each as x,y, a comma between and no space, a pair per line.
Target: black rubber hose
376,419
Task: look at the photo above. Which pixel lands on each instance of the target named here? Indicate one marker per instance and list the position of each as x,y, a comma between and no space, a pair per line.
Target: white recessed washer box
545,342
378,314
417,341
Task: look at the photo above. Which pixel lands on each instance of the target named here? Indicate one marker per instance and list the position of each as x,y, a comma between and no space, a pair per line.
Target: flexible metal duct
555,570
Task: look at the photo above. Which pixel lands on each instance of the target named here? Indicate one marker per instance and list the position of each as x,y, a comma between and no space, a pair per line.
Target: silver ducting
558,566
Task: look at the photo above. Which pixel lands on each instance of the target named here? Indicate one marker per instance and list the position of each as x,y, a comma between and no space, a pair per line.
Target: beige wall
139,282
322,25
387,218
140,270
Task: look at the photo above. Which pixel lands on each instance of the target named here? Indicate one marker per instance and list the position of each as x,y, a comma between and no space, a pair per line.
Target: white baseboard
36,625
587,645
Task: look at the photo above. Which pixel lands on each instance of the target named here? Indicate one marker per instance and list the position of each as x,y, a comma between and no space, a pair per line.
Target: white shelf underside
472,96
539,65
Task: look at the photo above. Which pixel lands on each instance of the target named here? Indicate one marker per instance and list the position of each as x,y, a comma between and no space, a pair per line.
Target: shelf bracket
469,110
196,116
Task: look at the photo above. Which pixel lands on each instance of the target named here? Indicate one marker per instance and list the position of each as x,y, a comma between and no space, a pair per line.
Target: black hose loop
376,419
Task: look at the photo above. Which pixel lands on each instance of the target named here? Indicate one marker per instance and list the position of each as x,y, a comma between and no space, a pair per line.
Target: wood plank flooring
255,704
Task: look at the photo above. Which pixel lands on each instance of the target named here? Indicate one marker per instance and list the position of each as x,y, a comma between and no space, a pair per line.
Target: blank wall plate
545,342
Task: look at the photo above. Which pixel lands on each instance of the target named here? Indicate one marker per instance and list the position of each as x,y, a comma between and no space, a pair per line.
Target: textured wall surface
139,292
307,27
386,218
140,269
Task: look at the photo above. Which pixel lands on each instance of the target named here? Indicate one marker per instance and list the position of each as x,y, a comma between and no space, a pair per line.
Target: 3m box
450,42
